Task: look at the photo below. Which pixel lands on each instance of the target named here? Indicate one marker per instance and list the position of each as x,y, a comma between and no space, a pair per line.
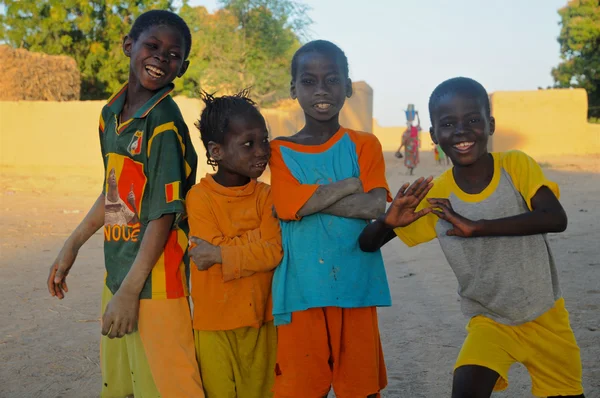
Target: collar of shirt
116,102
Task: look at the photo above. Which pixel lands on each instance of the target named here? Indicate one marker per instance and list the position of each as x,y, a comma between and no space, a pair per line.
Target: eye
474,120
306,81
175,55
151,45
333,80
448,124
247,144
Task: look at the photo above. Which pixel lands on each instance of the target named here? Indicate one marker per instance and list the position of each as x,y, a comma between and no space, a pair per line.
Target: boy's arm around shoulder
294,200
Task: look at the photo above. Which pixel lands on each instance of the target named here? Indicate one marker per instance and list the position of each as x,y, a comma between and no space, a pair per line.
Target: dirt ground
49,348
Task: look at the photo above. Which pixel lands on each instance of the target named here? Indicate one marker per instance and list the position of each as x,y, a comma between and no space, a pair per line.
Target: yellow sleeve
423,230
527,175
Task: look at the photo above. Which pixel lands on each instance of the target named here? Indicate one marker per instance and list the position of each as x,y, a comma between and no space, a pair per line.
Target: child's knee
472,381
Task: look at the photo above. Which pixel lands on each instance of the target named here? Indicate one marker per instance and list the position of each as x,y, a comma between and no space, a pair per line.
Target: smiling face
156,57
461,126
245,151
320,86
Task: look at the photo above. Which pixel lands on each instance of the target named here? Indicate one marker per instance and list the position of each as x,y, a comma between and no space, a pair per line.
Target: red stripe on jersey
173,257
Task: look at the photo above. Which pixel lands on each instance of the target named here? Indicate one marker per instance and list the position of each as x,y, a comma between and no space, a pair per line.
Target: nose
460,128
162,56
262,151
321,89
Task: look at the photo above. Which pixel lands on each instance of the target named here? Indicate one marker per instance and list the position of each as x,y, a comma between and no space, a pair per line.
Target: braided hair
459,85
218,112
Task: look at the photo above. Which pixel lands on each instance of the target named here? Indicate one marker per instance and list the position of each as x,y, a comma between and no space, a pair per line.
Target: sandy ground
49,348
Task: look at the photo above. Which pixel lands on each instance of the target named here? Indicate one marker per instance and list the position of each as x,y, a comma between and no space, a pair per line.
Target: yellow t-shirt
511,279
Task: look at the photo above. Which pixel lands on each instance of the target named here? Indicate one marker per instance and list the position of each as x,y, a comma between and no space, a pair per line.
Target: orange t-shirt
240,220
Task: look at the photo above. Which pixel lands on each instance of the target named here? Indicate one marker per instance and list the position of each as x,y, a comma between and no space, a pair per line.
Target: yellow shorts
545,346
237,363
157,359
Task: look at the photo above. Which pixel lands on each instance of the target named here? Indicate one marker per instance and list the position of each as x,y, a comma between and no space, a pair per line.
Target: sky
403,49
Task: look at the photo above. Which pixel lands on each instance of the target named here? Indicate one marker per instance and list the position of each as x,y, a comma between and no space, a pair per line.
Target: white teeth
154,72
464,145
322,106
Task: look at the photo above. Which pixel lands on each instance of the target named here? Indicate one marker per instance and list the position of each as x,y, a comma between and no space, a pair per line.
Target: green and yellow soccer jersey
150,164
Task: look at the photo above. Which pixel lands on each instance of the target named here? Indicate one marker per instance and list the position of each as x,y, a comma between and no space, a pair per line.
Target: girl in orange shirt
236,245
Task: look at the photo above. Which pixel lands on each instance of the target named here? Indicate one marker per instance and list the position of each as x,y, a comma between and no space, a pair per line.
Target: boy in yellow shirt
491,213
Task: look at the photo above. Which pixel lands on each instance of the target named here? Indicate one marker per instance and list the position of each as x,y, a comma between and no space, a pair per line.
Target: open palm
402,211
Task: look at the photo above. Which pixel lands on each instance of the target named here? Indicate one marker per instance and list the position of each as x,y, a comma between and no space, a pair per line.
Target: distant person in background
410,143
440,156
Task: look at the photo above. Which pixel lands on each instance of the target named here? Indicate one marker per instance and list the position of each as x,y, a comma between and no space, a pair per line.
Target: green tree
247,43
580,51
91,31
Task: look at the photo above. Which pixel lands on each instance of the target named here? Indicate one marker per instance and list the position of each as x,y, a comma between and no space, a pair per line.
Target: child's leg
357,357
473,381
487,353
553,359
303,368
257,353
124,366
215,358
237,363
165,327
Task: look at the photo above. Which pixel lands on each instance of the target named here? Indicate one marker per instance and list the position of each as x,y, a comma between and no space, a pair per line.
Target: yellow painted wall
47,135
544,122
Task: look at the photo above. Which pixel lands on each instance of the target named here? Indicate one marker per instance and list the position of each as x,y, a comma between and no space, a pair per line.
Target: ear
433,136
492,125
293,90
127,46
349,91
184,68
215,152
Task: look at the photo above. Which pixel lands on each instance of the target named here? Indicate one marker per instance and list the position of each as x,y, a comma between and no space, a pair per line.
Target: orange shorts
329,346
158,359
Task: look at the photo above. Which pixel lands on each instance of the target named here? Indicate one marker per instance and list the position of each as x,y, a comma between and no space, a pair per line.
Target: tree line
246,43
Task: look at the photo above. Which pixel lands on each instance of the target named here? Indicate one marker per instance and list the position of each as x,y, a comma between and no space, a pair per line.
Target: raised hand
402,211
462,227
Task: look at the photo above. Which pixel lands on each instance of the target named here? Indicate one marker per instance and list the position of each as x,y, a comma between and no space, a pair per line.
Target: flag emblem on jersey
135,146
172,192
